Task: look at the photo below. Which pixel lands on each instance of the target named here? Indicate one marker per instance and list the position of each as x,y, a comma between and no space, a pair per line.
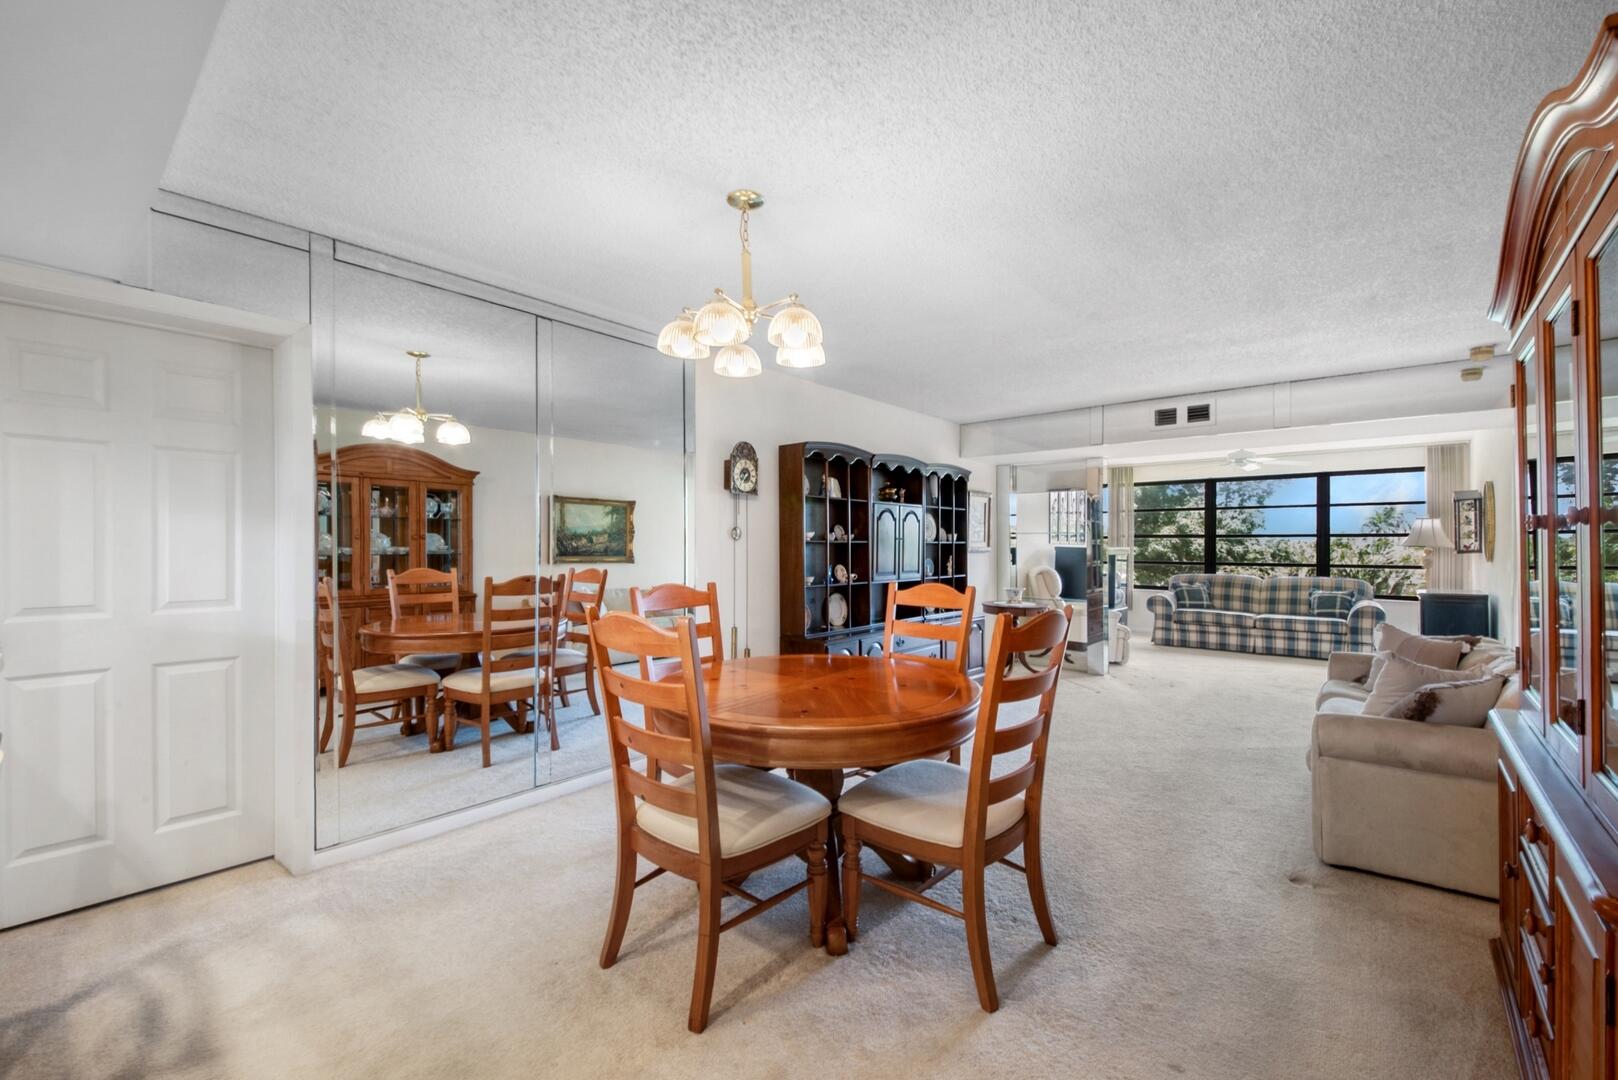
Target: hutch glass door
1565,571
390,531
334,517
1533,553
442,513
1603,268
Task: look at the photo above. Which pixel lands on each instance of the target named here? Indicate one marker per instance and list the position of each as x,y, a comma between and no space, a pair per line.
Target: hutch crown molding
1557,291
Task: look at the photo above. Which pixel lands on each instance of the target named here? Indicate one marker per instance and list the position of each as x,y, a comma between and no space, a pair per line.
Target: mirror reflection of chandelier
726,324
409,425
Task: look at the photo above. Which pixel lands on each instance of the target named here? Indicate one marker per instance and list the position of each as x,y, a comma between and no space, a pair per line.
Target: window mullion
1210,527
1323,525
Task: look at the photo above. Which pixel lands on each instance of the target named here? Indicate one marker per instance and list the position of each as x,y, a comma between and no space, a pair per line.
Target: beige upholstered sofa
1399,797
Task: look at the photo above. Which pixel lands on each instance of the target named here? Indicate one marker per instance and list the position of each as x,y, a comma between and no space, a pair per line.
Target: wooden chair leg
561,689
955,755
708,894
331,720
851,880
488,723
977,936
1036,886
346,742
451,723
623,897
590,684
549,709
817,889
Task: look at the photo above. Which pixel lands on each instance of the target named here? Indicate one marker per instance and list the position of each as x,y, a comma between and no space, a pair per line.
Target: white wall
504,522
768,411
1494,458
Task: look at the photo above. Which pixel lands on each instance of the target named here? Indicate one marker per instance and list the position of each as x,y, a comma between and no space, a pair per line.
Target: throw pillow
1192,596
1400,678
1462,704
1330,605
1434,652
1378,661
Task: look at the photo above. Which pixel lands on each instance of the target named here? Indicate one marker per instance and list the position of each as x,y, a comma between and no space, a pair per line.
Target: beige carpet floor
1200,939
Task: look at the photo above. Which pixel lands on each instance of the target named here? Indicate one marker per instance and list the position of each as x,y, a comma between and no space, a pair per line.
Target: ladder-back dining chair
715,824
660,602
509,680
965,819
958,634
364,691
421,591
586,592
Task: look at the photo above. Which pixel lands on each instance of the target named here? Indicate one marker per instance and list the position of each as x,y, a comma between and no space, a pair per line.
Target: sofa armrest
1161,605
1362,620
1348,666
1406,744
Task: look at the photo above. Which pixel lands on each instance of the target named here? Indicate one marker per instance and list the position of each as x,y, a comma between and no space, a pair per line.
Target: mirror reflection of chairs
354,692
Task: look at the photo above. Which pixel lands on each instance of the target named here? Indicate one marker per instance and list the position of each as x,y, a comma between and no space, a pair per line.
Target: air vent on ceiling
1199,414
1165,417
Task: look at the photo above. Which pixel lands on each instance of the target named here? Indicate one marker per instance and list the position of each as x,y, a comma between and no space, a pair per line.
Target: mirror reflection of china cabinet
415,510
1557,293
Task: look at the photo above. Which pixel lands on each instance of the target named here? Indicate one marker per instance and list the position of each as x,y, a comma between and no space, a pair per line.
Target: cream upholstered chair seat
374,680
755,809
925,799
521,650
470,681
438,661
568,657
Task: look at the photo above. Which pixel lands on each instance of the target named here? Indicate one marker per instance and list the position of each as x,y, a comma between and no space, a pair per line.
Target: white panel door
136,623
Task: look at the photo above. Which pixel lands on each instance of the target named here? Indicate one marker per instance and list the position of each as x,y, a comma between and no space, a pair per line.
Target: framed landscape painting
592,530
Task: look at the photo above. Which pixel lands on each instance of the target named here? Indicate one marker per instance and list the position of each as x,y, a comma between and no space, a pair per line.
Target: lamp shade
1427,533
736,362
809,356
377,428
679,339
453,433
794,327
719,324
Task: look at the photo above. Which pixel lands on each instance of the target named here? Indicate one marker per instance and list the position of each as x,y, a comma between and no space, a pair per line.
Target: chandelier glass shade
727,324
409,425
679,339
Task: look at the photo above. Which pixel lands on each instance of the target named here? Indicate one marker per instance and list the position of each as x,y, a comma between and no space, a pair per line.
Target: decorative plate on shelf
840,573
932,527
434,507
834,488
837,610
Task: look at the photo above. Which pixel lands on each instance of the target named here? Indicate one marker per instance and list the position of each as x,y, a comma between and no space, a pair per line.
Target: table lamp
1427,533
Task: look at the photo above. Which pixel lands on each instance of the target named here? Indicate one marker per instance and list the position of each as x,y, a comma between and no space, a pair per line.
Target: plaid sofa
1267,615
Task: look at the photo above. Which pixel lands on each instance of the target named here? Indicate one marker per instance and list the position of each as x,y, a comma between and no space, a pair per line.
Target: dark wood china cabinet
1557,292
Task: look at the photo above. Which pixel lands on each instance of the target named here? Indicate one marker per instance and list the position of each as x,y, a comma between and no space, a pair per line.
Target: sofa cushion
1401,677
1283,595
1463,704
1192,597
1301,624
1341,688
1434,652
1331,605
1342,706
1213,617
1450,751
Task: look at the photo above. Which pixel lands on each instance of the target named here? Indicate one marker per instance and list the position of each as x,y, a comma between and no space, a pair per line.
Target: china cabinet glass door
1563,609
910,544
1532,546
887,542
443,527
334,536
389,548
1603,268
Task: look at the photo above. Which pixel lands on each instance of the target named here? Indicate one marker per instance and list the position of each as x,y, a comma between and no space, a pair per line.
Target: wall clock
741,470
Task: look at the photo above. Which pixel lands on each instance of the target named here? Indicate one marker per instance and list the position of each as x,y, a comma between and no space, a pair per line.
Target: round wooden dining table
816,716
444,632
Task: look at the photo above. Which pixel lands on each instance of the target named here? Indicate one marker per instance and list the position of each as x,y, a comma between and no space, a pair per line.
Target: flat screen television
1072,563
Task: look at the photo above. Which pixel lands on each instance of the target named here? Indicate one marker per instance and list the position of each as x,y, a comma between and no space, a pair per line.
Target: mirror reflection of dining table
447,632
817,716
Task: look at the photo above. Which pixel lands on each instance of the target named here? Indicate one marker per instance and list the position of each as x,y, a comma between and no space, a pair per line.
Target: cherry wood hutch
851,523
1557,291
390,507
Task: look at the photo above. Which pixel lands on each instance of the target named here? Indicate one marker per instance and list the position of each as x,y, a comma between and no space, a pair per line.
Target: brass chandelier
726,324
409,425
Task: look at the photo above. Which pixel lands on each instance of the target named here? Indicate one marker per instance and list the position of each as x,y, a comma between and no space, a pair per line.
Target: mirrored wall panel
615,487
427,520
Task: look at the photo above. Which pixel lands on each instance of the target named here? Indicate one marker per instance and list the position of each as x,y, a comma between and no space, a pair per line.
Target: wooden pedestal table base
816,716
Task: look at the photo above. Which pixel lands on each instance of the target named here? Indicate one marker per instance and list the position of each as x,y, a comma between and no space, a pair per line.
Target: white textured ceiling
994,208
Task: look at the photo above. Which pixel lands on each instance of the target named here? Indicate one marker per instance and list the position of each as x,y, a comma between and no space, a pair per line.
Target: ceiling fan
1247,461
